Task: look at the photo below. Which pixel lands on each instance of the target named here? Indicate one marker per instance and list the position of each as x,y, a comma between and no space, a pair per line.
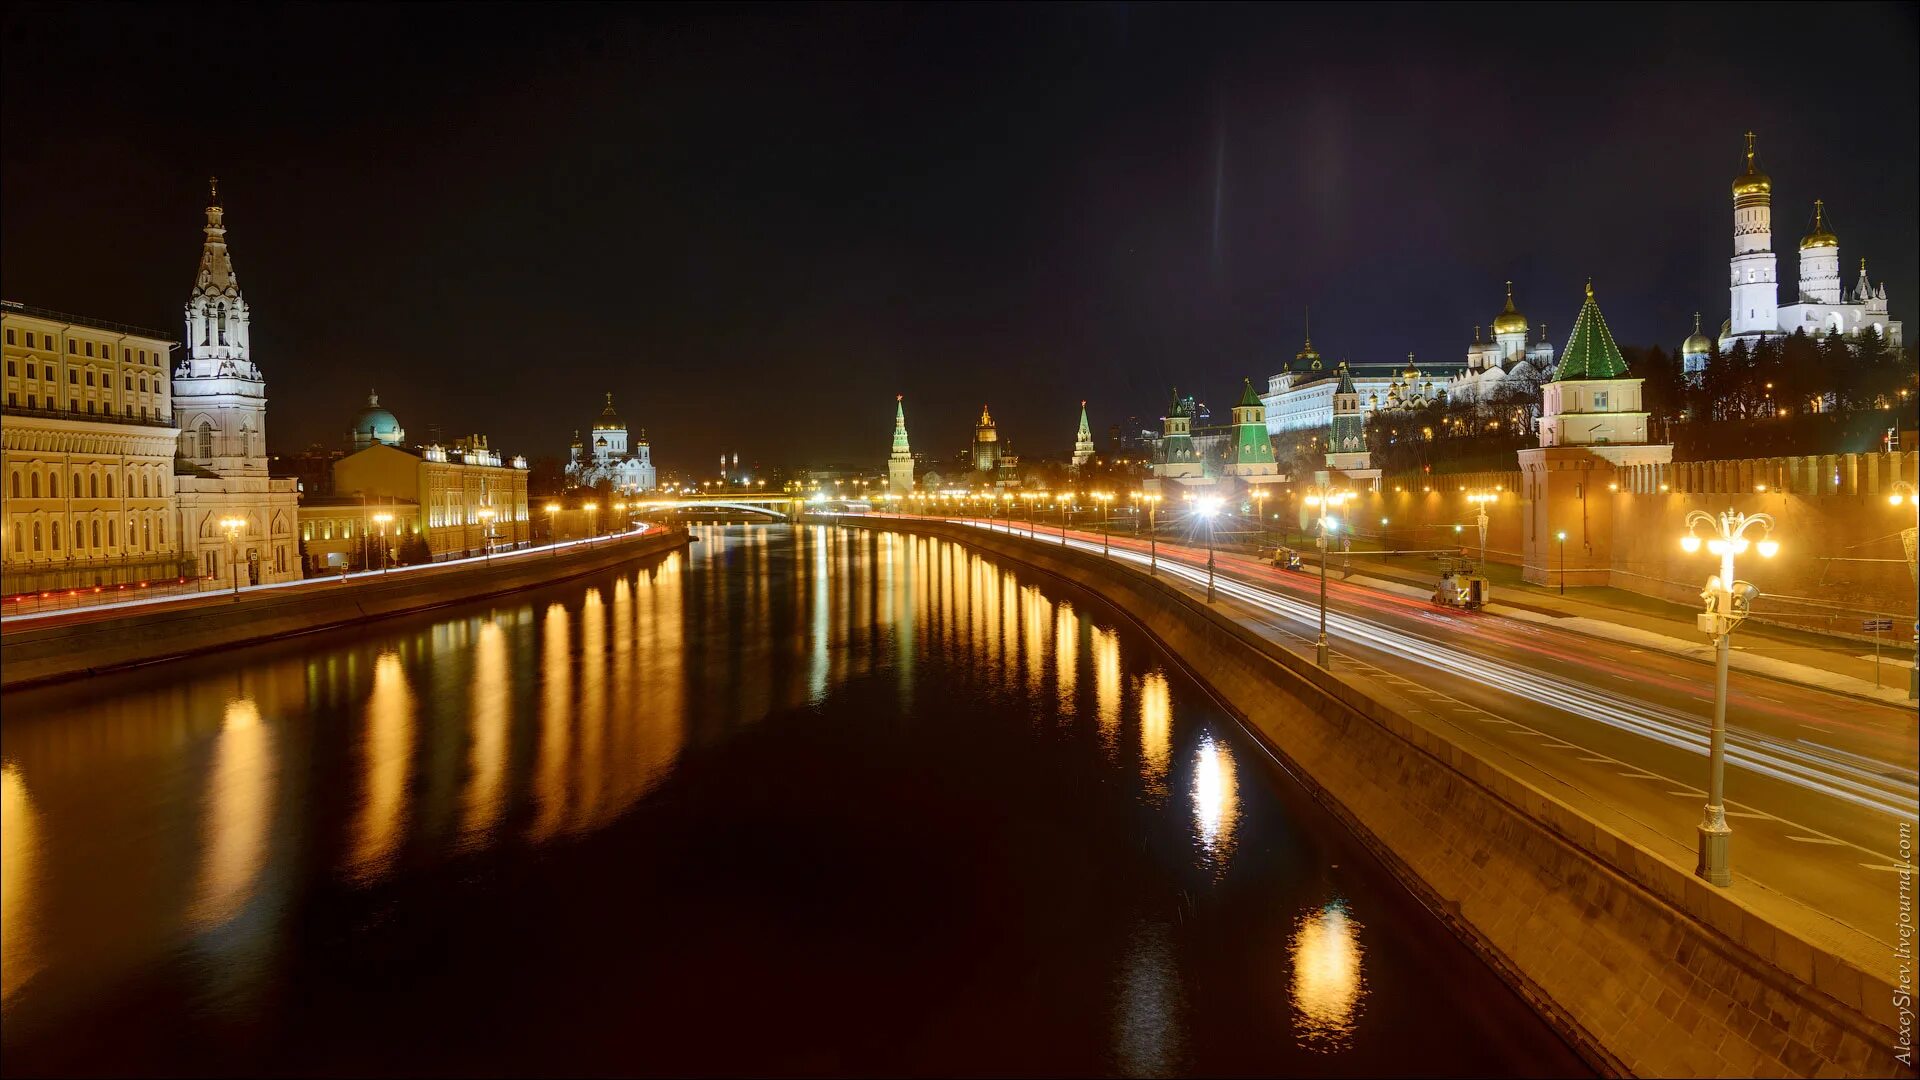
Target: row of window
151,483
144,532
73,376
79,347
93,408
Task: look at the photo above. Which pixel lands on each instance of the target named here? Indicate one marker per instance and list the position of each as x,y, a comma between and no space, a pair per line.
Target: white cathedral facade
609,459
220,408
1823,304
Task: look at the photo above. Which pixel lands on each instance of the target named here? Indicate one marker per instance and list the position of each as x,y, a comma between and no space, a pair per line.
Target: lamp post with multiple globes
232,526
1328,502
1728,603
1208,508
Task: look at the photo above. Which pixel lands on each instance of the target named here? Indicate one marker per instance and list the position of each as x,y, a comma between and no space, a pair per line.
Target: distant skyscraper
986,443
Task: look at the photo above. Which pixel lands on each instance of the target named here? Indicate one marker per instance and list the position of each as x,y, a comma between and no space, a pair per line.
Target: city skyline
1166,216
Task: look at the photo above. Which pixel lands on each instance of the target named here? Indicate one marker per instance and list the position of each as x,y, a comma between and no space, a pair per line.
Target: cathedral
1823,305
609,459
220,409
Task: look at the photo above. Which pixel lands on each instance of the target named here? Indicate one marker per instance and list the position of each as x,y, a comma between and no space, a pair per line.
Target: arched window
96,535
36,536
111,538
146,534
163,531
34,482
93,486
16,483
143,485
109,485
205,432
53,485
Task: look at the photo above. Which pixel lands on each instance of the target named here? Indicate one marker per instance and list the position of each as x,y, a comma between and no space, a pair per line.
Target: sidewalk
1797,656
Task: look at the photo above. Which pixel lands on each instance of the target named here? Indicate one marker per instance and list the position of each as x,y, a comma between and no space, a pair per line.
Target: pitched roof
1591,353
1248,399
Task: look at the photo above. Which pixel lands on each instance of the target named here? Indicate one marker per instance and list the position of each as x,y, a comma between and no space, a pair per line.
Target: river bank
81,643
1639,963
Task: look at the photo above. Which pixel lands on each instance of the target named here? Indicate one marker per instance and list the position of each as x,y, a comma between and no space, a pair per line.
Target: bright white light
1717,546
1689,543
1739,545
1209,506
1768,548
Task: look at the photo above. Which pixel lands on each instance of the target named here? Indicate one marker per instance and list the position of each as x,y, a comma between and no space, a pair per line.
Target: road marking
1551,744
1599,760
1689,794
1640,776
1815,840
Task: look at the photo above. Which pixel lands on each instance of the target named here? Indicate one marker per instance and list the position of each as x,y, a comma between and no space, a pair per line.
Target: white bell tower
219,397
1755,279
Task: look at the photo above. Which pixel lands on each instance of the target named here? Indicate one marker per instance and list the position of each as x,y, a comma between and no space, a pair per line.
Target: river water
800,800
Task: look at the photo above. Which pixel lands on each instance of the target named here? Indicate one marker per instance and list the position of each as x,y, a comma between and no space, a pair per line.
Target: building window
109,485
29,339
30,372
1600,399
36,536
34,482
72,346
89,405
96,534
206,439
13,398
9,335
32,402
111,540
163,531
72,405
93,486
10,368
89,376
73,376
16,484
130,382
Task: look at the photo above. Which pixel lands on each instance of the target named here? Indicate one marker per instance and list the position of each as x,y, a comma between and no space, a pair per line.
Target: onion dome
1753,181
376,425
1696,342
1509,321
1819,237
609,420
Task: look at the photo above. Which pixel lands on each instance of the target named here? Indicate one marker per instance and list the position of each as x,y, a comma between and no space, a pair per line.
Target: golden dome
1696,342
1509,321
1753,181
1819,237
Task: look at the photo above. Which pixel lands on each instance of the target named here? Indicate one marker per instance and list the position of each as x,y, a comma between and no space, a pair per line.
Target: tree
414,550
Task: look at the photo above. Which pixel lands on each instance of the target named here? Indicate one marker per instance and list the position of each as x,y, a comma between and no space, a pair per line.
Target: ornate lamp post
1065,502
485,514
1561,539
1259,496
553,535
1208,508
1728,602
1904,492
591,508
232,526
1328,502
1103,498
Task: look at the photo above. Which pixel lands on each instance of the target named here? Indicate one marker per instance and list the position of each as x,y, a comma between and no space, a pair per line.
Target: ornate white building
900,460
1822,306
88,442
220,408
376,425
609,459
1510,355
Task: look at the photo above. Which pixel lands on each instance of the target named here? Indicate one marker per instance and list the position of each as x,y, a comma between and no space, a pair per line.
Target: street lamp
1480,499
1728,602
553,536
1207,508
1904,492
1065,503
382,519
1259,496
1328,501
1153,533
591,509
232,527
1104,497
1561,538
486,515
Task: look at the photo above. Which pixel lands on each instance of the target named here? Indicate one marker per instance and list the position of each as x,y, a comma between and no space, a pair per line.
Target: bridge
781,507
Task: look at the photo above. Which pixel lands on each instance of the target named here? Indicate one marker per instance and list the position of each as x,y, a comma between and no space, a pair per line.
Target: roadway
1817,782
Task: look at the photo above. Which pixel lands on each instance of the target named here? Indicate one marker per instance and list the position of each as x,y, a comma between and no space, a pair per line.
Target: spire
1248,399
1346,380
986,418
1307,355
1085,433
1749,153
1591,352
373,400
901,450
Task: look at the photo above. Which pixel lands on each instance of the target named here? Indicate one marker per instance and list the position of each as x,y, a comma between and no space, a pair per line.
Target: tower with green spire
1593,453
1252,453
1176,457
1591,400
900,462
1082,442
1347,433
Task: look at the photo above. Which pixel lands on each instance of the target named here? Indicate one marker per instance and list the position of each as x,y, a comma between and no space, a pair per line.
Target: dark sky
755,226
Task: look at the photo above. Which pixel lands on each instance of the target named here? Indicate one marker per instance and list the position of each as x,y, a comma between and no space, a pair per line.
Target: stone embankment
80,643
1644,967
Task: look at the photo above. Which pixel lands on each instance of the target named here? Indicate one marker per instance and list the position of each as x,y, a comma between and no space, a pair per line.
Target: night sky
756,226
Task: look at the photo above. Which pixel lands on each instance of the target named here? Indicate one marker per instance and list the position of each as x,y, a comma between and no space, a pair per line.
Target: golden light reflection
388,748
590,777
1156,730
1066,656
556,724
1034,636
1106,682
487,755
1216,798
19,869
239,810
1328,983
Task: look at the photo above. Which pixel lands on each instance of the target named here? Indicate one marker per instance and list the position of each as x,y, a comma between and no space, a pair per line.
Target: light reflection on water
214,811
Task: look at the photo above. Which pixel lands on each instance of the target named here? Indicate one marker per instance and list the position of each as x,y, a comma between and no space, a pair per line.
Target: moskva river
800,800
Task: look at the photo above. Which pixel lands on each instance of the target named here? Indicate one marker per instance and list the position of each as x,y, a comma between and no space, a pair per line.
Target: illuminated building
220,409
986,443
376,425
87,441
900,461
609,460
461,499
1821,307
1082,442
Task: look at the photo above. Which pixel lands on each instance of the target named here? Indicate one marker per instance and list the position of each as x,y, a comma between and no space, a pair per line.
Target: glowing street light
591,509
1904,493
386,556
1561,539
1728,603
1207,508
1065,503
553,536
1103,498
486,515
1328,502
1480,499
232,526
